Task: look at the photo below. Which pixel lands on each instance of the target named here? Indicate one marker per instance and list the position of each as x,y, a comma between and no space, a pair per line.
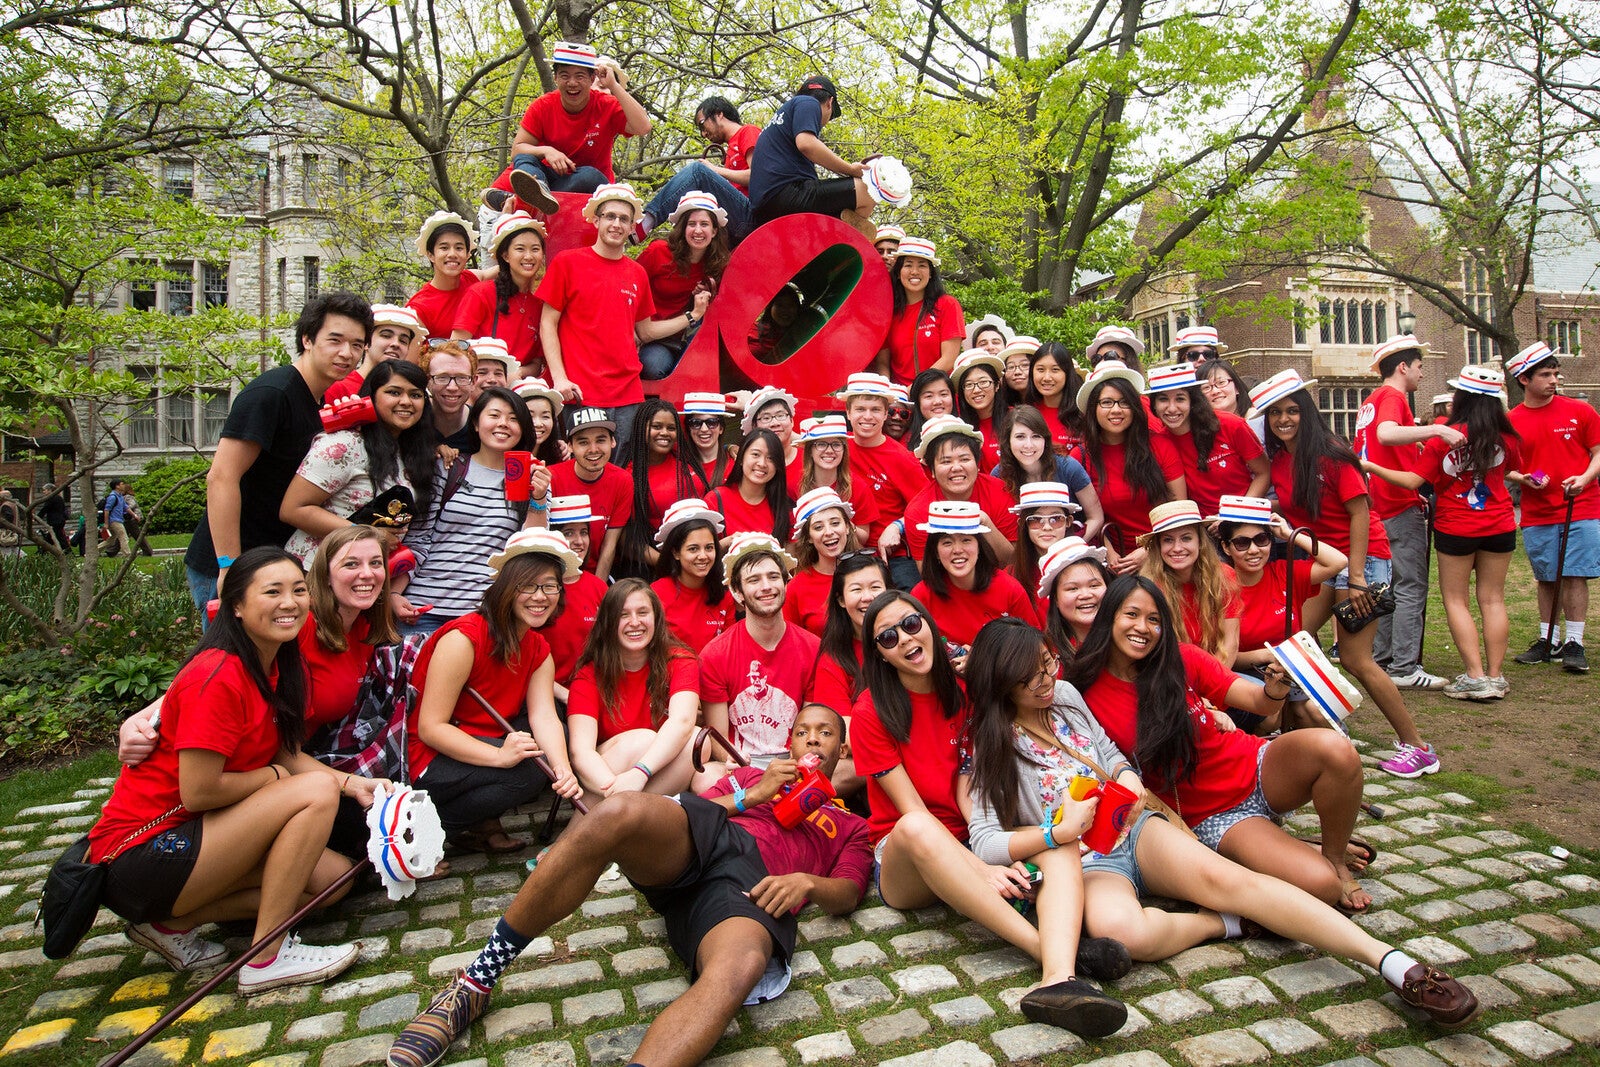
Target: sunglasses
702,424
911,625
1260,540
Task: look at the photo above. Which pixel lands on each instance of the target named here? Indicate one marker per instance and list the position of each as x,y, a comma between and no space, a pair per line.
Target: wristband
538,505
276,774
1049,833
738,794
642,769
224,562
1285,695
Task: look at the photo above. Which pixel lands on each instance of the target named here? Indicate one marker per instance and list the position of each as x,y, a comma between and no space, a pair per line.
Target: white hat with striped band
698,201
565,510
1529,358
1401,343
1021,345
1278,387
1044,495
939,426
1474,378
749,542
1330,692
687,510
865,383
394,315
823,428
574,54
538,542
1256,510
817,500
919,247
954,517
1061,555
1119,335
1196,337
1170,516
705,404
1170,376
767,394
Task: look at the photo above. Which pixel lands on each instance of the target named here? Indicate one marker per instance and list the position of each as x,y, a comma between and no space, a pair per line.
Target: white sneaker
297,964
1417,679
184,951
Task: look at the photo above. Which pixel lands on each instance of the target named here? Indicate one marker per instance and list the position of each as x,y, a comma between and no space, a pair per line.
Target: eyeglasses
702,423
831,444
615,216
1114,405
1046,675
545,589
442,380
1260,540
1049,522
911,625
774,418
864,553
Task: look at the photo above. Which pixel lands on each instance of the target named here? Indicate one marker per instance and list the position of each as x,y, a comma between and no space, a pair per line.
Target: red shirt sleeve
1166,454
583,697
1206,676
685,674
952,320
554,287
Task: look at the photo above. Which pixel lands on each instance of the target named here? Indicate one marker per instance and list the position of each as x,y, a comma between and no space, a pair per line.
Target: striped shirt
454,544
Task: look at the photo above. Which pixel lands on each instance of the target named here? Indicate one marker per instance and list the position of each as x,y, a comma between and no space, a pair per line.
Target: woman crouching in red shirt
1149,691
459,753
962,583
213,827
695,601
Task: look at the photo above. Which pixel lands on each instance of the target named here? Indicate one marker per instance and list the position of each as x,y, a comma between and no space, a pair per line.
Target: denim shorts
1211,830
1542,543
1378,570
1124,859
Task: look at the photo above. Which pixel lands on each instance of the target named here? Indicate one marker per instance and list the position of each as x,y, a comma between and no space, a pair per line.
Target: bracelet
738,794
344,783
224,562
640,767
537,505
1049,833
276,774
1285,695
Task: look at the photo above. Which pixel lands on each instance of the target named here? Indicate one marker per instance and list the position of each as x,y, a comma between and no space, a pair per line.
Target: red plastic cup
1116,804
347,413
519,475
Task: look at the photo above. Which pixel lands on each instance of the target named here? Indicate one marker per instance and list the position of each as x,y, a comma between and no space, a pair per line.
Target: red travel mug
347,413
519,474
1116,803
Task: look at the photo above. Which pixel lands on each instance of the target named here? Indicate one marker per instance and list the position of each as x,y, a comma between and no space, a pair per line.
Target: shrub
182,510
1074,326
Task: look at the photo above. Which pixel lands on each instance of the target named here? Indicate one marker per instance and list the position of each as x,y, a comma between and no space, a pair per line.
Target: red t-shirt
437,307
566,633
1191,610
586,137
1062,437
990,455
505,686
664,490
335,677
736,154
518,327
805,602
833,687
831,843
914,338
1386,404
1557,439
862,502
962,614
1467,507
632,708
1225,764
599,299
211,705
894,475
988,492
672,292
1227,469
689,617
1124,504
931,756
1262,619
1340,482
763,690
739,515
610,495
350,385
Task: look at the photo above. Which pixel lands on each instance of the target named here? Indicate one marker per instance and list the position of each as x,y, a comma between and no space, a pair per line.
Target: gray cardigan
991,841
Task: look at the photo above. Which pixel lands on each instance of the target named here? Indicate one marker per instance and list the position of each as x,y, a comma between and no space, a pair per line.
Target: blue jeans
623,417
581,180
697,177
202,590
425,625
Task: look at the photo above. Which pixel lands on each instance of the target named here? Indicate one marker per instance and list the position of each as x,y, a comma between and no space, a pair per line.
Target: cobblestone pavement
881,986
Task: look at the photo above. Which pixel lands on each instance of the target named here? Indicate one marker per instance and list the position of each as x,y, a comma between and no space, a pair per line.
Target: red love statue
804,303
567,227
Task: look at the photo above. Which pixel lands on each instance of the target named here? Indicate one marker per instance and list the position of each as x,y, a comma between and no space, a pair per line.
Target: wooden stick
538,761
727,746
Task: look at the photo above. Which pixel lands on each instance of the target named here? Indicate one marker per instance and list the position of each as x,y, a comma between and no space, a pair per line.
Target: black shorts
725,866
143,883
819,196
1452,545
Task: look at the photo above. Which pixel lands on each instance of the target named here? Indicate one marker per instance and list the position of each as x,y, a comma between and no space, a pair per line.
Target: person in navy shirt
783,176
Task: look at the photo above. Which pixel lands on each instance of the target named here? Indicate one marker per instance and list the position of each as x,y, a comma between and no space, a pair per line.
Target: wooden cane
1561,566
1288,591
538,761
237,965
727,746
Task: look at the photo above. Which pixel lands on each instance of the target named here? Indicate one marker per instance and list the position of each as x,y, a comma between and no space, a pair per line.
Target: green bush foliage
181,512
1074,326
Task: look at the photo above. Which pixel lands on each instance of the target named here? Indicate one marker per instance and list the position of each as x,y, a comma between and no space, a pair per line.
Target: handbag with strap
72,890
1151,801
1382,594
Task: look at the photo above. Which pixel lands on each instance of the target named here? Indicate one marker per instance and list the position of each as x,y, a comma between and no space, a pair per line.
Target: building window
1157,334
142,288
1480,349
177,178
308,180
394,289
143,427
180,418
180,289
1562,335
1351,321
1302,336
214,410
214,286
283,284
172,292
283,181
1341,404
312,270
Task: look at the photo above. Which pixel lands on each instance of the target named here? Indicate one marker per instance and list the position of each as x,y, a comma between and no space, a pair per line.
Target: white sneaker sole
308,977
144,940
1408,683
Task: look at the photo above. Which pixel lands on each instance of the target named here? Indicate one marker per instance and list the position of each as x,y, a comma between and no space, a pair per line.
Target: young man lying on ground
723,872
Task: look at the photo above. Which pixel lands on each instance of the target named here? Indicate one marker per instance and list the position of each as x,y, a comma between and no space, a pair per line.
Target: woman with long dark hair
663,473
1224,389
962,583
1219,453
1188,571
705,420
825,531
1053,386
1017,355
1148,690
755,498
931,393
908,726
1031,735
1319,484
1475,524
695,602
506,307
472,768
634,699
544,415
346,470
857,581
1073,578
1027,457
1132,469
212,826
983,405
684,271
927,326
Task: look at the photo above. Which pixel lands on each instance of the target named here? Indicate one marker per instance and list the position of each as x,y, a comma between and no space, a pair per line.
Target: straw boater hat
1330,692
539,542
1114,335
889,233
606,194
1061,555
1395,344
938,427
1479,379
571,510
977,357
818,500
918,247
698,201
1529,358
1021,344
705,404
887,181
1044,495
492,348
825,428
1269,392
574,54
1196,337
1172,515
1171,376
866,383
748,543
1255,510
760,399
1107,370
900,394
394,315
683,511
444,218
509,225
954,517
1444,398
614,67
990,321
538,388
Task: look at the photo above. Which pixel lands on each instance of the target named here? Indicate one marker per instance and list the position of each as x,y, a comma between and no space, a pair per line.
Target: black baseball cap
825,83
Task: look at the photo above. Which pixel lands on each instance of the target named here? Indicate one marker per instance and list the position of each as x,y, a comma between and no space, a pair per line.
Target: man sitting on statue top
729,183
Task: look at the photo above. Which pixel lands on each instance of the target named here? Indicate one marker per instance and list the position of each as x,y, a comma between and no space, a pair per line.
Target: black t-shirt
278,412
777,162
